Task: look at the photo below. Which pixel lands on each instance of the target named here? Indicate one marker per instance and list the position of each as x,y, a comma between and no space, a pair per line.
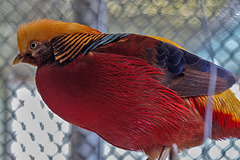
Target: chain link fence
30,131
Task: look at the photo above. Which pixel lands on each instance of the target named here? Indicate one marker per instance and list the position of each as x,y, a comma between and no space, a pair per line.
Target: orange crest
47,29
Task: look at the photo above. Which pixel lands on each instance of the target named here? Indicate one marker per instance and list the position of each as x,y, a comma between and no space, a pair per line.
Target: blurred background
30,131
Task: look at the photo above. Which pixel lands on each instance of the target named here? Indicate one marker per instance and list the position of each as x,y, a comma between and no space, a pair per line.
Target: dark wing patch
188,74
171,57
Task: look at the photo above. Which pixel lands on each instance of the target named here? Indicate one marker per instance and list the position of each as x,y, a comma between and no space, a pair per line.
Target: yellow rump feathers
226,103
47,29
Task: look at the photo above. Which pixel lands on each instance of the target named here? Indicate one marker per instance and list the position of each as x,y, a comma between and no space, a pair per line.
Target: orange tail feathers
226,113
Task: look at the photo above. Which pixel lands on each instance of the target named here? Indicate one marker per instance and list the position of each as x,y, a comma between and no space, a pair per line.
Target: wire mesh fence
30,131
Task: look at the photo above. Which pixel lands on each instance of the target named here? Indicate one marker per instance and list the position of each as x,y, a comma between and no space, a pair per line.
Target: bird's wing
185,73
190,75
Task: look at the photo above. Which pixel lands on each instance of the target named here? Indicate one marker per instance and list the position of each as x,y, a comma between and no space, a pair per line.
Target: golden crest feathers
47,29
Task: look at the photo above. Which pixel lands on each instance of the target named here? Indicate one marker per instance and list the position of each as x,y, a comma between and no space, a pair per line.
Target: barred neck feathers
68,47
46,29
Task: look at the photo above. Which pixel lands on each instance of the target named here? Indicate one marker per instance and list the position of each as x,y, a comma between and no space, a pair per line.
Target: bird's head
34,39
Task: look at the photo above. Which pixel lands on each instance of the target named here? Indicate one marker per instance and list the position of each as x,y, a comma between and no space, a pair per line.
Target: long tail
226,113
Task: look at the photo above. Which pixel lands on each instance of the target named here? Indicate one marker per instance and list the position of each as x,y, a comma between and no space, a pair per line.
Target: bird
137,92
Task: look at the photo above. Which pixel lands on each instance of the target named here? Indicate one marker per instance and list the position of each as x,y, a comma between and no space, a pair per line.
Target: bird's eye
33,45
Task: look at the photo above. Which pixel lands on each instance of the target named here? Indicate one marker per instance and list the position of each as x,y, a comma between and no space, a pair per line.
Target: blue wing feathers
176,60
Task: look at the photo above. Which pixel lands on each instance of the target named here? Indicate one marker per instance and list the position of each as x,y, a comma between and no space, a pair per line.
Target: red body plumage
120,99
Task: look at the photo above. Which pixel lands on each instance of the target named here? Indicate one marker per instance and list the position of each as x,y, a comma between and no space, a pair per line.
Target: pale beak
18,59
